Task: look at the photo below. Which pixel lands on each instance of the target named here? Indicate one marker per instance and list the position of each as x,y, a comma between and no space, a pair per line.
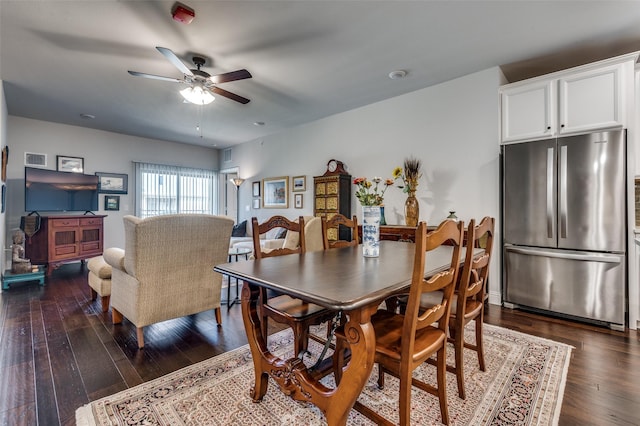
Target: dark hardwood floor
58,351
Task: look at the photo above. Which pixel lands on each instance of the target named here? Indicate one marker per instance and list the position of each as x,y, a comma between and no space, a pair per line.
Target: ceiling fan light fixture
197,95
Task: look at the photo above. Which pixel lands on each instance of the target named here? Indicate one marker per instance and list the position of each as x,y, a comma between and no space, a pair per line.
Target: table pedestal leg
292,376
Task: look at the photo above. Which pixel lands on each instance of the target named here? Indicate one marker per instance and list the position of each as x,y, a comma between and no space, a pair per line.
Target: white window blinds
170,189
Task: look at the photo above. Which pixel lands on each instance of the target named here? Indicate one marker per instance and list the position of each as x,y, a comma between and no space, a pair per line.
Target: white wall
451,127
102,152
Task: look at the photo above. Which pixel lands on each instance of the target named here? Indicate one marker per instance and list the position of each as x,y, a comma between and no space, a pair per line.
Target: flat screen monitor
50,190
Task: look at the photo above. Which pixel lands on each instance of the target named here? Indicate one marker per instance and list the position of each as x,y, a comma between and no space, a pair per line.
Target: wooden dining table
342,280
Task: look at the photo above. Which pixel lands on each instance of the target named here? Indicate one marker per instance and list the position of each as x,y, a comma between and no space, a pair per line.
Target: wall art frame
299,183
255,188
112,202
112,183
65,163
275,192
297,201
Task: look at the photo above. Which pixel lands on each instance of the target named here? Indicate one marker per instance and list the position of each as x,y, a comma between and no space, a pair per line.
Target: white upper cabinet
591,100
528,111
582,99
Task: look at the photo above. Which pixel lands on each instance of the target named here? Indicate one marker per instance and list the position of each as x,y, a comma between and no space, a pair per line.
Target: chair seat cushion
388,327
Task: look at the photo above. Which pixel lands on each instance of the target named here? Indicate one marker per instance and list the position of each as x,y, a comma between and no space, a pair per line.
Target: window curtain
162,189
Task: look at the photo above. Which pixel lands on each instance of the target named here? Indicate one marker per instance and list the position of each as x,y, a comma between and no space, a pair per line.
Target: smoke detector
183,13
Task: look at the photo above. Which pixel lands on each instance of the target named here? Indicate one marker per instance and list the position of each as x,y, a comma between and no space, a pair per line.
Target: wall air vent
226,155
33,159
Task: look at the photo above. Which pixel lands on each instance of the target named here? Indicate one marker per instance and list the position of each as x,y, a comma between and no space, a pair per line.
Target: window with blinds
170,189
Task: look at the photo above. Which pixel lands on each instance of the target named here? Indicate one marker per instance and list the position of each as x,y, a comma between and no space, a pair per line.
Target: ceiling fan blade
229,95
168,53
230,76
155,77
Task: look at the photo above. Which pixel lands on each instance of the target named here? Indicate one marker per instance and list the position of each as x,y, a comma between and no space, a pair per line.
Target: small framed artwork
299,183
275,193
256,203
112,183
256,189
297,201
70,164
112,202
5,160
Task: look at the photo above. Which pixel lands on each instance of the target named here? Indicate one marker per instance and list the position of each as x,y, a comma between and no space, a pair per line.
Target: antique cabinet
331,195
63,239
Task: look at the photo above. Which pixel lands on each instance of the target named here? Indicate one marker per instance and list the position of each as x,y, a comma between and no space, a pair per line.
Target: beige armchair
166,268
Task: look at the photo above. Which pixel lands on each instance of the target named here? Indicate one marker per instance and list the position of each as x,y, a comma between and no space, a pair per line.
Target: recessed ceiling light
258,123
87,116
398,74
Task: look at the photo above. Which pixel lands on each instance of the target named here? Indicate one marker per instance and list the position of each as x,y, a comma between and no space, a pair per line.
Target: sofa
277,238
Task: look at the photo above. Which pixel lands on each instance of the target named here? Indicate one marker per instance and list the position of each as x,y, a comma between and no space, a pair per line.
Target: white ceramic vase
371,231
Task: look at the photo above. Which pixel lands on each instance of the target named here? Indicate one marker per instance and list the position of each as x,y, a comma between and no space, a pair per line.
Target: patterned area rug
523,385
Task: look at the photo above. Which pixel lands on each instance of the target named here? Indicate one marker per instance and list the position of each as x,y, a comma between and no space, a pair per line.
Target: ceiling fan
201,85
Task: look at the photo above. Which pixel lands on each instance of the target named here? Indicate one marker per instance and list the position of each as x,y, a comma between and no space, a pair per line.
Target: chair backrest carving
278,222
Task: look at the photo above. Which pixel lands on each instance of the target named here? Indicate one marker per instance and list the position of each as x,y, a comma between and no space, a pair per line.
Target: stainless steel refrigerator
564,219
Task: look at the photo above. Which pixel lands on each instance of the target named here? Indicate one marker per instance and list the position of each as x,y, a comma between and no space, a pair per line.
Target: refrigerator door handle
596,257
563,191
550,197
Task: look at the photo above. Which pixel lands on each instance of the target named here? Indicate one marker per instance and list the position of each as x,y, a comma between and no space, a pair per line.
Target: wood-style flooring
58,351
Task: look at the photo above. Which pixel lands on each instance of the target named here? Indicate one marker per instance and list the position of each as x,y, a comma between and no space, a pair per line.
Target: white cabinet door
591,100
528,111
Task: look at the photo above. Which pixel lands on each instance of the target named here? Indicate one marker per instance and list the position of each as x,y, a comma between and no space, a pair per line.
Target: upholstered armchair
166,268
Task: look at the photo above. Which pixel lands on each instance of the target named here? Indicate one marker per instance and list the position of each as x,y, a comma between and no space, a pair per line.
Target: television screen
50,190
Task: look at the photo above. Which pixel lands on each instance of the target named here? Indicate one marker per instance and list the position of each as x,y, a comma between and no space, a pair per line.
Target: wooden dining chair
405,341
332,226
296,313
468,299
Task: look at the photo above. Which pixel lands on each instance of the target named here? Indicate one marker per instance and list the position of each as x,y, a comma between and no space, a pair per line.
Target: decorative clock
335,167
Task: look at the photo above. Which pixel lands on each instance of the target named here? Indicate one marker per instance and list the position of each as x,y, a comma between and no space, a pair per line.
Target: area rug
523,385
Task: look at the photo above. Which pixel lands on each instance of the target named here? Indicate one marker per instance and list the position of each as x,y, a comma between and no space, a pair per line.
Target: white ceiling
309,59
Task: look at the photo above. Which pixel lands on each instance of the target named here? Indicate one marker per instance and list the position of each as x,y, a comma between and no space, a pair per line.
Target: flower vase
411,209
371,231
383,220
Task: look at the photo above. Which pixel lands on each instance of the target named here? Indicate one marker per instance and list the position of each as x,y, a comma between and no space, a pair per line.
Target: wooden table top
340,279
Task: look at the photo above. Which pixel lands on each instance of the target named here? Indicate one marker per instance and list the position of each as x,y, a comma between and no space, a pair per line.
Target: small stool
100,280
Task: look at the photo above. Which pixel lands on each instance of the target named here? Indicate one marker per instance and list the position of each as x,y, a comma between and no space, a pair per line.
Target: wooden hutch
331,195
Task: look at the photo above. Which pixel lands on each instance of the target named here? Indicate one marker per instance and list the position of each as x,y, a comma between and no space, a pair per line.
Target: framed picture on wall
70,164
299,183
297,201
112,183
255,186
256,203
111,202
275,193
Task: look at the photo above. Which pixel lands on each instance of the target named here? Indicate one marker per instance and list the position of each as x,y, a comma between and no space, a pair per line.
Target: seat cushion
99,267
102,286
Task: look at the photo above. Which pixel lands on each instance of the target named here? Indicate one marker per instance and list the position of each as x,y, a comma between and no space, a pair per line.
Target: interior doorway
229,192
